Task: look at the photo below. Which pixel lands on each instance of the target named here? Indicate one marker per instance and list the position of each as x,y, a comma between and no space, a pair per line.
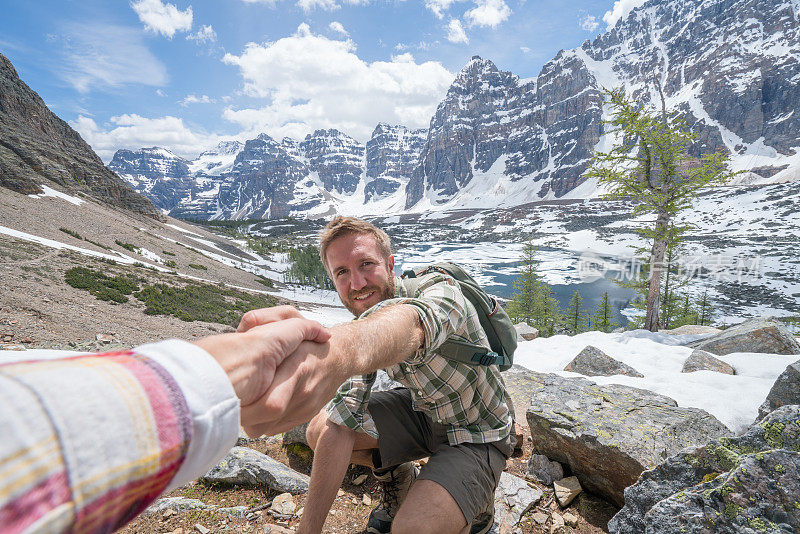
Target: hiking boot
485,520
395,482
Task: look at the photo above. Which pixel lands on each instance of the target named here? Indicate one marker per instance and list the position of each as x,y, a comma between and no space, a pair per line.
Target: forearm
331,458
388,336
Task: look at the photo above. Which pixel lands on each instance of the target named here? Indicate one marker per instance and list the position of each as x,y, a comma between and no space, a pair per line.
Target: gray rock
234,511
607,435
296,435
691,329
245,467
284,504
592,361
566,490
545,471
179,504
525,332
785,390
512,499
755,335
744,484
700,360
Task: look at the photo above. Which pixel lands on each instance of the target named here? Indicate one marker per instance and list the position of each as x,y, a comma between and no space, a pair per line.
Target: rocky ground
352,507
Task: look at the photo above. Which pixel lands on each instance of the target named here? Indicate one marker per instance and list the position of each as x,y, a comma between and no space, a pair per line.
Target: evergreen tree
603,319
547,315
651,165
576,319
526,288
704,312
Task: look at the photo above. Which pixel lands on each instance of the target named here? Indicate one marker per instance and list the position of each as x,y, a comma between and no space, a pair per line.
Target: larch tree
651,165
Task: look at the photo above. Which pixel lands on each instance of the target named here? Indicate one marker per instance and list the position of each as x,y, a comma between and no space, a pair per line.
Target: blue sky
185,74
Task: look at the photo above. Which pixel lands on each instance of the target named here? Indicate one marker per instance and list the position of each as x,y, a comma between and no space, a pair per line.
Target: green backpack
494,320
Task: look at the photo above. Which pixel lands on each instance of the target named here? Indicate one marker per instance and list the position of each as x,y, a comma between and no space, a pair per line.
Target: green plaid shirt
469,400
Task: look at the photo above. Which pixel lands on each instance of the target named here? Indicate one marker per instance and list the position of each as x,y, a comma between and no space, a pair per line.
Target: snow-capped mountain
731,67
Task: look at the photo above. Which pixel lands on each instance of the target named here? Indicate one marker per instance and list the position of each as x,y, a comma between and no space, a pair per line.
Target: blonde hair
342,226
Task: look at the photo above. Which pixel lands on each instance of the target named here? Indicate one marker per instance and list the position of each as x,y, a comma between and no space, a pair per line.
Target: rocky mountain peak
36,146
336,157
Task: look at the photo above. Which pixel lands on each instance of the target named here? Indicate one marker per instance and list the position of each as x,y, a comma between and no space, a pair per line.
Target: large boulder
244,466
608,435
700,360
755,335
592,361
785,390
526,332
691,329
746,484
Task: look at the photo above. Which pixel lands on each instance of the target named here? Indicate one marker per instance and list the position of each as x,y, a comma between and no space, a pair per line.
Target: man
455,413
89,441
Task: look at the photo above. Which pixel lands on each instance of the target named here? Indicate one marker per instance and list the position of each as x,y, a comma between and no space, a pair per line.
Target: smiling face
363,276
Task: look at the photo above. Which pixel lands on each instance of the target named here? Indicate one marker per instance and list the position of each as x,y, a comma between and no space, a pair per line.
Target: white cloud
161,93
524,49
315,82
194,99
134,132
338,28
439,7
488,13
325,5
455,32
620,10
205,34
589,23
165,19
100,56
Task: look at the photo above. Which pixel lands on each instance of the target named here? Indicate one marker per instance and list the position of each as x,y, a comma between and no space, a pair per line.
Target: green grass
104,287
127,246
167,253
198,266
73,233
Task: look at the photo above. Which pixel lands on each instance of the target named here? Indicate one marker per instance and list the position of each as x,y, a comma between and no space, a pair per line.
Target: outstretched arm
309,378
95,438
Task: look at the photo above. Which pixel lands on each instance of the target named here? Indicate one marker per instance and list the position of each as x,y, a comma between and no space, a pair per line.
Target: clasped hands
280,366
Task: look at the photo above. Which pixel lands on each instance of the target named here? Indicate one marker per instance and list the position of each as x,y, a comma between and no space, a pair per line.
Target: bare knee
315,428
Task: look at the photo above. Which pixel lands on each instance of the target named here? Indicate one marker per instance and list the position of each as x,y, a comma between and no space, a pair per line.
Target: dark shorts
469,472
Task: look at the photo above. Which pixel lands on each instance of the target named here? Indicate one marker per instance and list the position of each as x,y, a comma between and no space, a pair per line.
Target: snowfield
733,399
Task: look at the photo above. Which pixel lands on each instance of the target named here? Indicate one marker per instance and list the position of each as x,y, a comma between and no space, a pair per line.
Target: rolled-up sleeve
349,406
442,310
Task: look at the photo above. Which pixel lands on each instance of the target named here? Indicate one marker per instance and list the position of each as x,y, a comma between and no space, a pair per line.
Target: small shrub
127,246
170,263
265,281
95,243
200,302
167,253
102,286
73,233
198,266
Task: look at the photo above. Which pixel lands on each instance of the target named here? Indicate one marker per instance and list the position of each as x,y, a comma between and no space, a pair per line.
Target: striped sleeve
89,441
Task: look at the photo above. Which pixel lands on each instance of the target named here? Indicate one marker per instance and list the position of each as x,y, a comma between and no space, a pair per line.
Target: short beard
386,293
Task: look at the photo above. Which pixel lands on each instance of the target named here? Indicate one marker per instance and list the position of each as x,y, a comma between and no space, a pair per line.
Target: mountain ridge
730,67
